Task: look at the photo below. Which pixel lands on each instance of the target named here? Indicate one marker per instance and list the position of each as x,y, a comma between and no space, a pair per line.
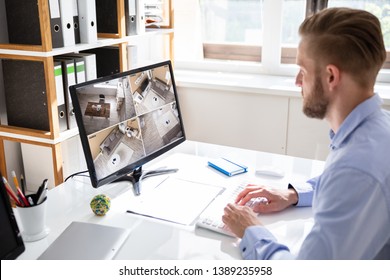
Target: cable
76,174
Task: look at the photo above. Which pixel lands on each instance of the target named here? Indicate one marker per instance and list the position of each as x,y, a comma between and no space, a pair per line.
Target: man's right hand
278,199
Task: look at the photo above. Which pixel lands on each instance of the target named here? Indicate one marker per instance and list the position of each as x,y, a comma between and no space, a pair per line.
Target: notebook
86,241
227,167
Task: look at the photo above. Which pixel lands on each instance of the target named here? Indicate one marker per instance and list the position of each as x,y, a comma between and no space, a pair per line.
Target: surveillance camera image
129,117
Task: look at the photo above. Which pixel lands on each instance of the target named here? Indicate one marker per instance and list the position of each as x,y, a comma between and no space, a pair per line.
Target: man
339,55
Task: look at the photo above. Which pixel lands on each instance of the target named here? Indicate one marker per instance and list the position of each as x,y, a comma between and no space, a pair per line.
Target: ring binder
66,10
87,20
131,17
89,64
141,21
107,60
25,94
55,24
106,14
69,79
76,23
23,23
62,119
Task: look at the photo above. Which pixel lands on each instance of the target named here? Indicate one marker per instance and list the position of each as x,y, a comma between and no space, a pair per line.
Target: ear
332,76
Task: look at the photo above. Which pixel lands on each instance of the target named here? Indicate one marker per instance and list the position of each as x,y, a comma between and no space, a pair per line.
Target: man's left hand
238,218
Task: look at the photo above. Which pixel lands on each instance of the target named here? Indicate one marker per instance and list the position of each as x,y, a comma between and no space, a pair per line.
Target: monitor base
138,175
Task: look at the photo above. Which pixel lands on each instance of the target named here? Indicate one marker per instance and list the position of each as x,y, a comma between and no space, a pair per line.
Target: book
227,167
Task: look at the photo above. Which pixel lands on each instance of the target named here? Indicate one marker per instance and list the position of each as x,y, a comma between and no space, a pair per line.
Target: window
380,8
293,14
254,36
232,29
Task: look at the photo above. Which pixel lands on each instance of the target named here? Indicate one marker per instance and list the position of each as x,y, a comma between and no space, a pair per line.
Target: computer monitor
11,245
127,119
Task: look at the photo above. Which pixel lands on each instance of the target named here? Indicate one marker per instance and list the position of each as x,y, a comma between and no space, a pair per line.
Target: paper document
175,200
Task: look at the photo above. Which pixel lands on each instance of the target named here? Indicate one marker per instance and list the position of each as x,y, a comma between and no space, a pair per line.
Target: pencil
20,193
11,192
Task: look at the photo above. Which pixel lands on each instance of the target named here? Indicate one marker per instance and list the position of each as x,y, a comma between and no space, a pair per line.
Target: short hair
351,39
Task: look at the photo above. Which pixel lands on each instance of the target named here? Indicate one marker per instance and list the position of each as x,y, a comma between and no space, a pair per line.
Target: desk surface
156,239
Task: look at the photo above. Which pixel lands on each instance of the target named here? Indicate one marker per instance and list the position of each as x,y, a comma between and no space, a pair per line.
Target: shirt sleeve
343,224
259,244
304,191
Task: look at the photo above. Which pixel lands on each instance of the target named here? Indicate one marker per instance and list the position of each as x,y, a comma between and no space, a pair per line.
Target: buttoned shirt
350,199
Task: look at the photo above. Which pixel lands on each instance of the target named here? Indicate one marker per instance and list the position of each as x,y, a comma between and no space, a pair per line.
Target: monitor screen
127,119
11,245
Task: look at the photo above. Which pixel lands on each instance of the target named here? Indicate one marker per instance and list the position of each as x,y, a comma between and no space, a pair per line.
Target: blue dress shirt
350,199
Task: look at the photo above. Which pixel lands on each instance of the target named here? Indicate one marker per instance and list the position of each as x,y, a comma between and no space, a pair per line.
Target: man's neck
343,104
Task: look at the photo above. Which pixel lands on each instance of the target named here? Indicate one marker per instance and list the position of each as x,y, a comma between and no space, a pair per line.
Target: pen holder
33,221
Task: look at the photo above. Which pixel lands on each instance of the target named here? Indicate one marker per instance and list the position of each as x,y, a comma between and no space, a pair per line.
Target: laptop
86,241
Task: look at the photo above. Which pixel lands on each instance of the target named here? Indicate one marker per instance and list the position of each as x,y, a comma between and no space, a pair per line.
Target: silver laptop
86,241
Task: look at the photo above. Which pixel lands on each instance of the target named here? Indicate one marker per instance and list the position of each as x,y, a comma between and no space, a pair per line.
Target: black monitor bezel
84,137
20,247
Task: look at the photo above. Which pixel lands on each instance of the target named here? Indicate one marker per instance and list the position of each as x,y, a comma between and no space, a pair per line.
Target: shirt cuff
258,243
305,193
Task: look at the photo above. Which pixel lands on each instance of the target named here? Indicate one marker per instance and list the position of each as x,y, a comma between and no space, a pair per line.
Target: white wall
72,156
38,162
306,137
13,158
245,120
265,122
38,165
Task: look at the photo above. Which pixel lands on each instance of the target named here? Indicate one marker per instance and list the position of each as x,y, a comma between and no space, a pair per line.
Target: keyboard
211,219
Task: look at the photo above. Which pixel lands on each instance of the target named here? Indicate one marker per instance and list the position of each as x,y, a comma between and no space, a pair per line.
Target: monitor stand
138,175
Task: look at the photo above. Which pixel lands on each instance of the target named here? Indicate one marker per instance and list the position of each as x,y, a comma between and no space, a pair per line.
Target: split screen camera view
129,117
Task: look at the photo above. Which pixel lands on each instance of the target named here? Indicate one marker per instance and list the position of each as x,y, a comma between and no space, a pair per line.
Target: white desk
155,239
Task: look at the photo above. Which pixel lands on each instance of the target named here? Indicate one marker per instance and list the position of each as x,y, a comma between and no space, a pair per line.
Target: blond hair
351,39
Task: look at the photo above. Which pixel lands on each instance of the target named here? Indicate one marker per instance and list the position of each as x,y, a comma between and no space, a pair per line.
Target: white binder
131,17
80,69
79,66
60,97
140,5
69,79
89,64
87,20
66,8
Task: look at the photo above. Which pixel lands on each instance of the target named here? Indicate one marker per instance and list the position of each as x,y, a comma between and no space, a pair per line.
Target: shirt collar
354,119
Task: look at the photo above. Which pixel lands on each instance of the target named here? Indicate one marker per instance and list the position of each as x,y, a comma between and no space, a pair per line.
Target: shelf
51,137
102,42
30,138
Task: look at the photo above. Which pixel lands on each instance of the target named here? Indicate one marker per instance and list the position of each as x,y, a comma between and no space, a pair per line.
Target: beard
315,104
